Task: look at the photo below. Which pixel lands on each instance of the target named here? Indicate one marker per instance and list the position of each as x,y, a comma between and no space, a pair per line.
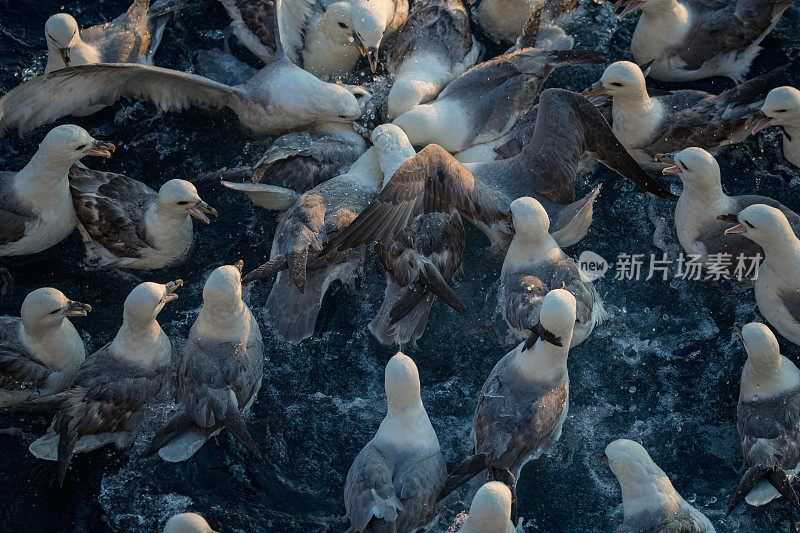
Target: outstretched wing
567,127
431,181
60,93
111,208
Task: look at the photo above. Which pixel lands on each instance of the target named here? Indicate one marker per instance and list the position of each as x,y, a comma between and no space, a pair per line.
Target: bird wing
20,369
568,126
126,39
522,298
253,21
713,120
418,483
430,181
368,490
112,208
731,27
60,93
13,217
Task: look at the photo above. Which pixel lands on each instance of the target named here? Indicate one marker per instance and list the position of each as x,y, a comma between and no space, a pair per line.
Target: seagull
648,126
40,352
296,163
280,97
317,34
434,181
490,511
373,20
394,482
699,231
768,420
126,39
649,501
524,401
434,47
484,103
126,224
219,374
777,286
36,209
187,523
318,215
696,39
534,266
420,262
105,403
782,108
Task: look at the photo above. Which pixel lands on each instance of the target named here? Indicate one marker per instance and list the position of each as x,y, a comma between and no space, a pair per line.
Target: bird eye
55,311
683,166
749,225
780,110
616,84
81,147
183,202
342,25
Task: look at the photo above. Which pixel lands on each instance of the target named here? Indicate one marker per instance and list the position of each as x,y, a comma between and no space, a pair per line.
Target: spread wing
60,93
13,215
111,208
568,126
126,39
431,181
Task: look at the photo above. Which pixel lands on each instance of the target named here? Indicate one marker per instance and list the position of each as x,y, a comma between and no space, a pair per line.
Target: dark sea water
664,370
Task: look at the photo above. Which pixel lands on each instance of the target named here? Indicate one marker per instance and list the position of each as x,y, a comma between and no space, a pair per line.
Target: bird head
179,197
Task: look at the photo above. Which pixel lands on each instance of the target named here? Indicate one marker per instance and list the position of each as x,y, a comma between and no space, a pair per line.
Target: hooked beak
594,91
199,209
76,309
172,286
239,265
100,149
66,56
372,57
758,123
629,5
737,328
604,460
738,229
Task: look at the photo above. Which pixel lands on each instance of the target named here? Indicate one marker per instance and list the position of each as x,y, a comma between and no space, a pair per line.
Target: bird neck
643,495
391,161
59,346
407,428
766,377
43,182
543,363
229,323
669,9
784,249
367,169
526,249
704,197
142,343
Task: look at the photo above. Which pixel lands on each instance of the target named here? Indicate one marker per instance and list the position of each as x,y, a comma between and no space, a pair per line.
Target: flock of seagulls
461,141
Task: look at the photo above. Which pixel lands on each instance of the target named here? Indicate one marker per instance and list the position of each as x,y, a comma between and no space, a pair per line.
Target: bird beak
674,169
758,123
76,309
101,149
737,328
199,209
629,5
594,91
604,460
738,229
66,56
372,57
239,265
172,286
667,159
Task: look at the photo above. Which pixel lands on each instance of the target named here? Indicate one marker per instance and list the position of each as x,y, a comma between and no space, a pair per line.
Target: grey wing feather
126,39
431,181
769,431
13,215
522,299
371,471
20,369
52,96
111,208
418,485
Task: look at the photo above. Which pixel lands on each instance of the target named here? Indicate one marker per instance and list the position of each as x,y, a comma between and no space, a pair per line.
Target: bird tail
46,404
294,313
178,424
270,197
403,314
468,469
754,475
237,427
